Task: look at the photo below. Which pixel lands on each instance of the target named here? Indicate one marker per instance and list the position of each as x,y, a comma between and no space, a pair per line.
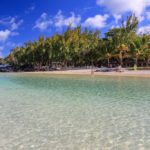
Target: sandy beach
143,73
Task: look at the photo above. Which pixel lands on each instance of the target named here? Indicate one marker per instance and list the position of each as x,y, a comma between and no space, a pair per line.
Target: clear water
43,112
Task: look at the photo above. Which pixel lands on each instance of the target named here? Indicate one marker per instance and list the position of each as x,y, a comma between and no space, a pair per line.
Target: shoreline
87,72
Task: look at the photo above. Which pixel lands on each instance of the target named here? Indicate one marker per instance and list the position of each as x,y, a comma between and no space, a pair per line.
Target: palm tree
1,60
78,47
40,51
122,49
139,48
48,52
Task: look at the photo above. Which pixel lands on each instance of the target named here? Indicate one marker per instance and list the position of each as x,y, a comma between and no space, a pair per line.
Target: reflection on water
74,113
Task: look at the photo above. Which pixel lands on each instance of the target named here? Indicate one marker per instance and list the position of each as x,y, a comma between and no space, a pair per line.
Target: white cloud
144,29
43,22
147,2
141,18
114,26
117,18
6,45
98,21
14,24
11,22
4,35
123,6
10,26
60,20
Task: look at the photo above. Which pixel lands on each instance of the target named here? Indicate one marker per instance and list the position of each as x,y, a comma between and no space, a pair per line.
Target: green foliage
78,47
1,61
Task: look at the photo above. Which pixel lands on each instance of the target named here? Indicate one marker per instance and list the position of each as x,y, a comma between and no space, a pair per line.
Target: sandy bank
144,73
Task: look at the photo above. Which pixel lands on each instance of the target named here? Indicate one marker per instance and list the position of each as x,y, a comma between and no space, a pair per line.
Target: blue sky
24,20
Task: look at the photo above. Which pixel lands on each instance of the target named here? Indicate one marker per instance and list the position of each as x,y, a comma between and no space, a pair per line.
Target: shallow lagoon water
55,112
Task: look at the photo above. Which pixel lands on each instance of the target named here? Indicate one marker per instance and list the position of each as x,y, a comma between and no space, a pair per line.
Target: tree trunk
121,59
147,62
108,61
49,64
65,64
92,71
136,63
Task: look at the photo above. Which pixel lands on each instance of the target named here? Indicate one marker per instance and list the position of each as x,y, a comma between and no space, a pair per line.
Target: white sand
143,73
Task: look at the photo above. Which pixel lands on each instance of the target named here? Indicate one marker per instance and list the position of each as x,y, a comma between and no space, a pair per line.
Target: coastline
143,73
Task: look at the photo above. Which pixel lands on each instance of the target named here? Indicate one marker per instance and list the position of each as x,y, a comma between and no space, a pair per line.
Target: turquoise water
43,112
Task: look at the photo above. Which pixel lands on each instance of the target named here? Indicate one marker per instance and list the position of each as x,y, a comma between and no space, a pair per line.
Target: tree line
84,47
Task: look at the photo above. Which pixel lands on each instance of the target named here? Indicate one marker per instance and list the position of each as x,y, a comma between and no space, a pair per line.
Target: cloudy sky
24,20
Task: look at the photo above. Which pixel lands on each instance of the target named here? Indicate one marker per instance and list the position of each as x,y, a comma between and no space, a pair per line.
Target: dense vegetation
84,47
1,61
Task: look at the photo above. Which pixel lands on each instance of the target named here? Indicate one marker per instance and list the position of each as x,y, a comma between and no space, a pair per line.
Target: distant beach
143,73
